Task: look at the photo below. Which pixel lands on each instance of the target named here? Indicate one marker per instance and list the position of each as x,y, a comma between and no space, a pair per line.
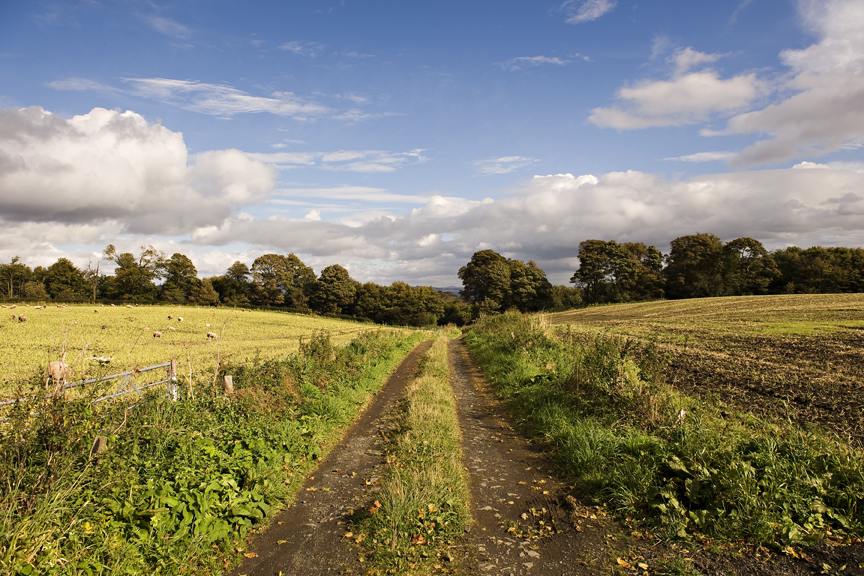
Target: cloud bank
107,165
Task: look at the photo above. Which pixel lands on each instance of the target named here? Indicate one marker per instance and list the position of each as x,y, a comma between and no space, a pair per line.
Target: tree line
697,265
273,281
701,265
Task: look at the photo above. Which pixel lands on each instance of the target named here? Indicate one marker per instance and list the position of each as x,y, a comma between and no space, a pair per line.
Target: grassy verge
423,503
686,468
181,484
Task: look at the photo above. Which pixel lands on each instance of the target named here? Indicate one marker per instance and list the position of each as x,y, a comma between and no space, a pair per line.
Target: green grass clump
683,465
181,483
423,503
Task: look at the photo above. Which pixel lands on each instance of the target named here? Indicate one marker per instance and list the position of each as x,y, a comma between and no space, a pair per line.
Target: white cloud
825,113
503,165
80,85
109,166
704,157
587,10
220,100
349,193
355,115
544,220
310,49
522,62
547,219
167,26
365,161
687,97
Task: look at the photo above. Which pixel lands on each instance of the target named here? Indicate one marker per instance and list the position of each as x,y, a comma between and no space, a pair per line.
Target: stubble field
795,357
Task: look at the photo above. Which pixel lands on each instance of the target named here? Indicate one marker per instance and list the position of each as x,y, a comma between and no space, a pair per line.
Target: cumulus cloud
503,165
522,62
687,97
107,166
824,114
587,10
547,218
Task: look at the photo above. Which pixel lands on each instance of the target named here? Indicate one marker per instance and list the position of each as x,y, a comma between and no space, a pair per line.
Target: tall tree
13,276
281,280
134,277
486,280
750,269
64,281
181,278
695,267
233,286
333,291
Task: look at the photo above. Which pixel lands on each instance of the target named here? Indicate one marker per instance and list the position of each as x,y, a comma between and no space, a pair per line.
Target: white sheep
171,328
211,335
58,373
157,334
22,318
179,318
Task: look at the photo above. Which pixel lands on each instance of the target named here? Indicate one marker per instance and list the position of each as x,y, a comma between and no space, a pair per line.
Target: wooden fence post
172,375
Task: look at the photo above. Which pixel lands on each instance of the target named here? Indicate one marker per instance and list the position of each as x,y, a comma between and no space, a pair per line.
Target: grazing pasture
797,357
147,335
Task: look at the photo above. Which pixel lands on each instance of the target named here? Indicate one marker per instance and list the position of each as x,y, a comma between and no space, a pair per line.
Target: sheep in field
58,374
157,334
211,335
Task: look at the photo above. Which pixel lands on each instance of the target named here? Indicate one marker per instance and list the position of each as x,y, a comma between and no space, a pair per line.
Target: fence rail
126,386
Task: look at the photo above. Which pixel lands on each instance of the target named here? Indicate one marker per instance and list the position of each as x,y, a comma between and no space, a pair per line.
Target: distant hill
452,289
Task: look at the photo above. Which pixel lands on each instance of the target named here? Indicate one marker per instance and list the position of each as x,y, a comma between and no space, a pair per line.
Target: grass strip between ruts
423,503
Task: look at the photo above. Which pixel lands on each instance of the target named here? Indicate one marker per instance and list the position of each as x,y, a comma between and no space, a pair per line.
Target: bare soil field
797,357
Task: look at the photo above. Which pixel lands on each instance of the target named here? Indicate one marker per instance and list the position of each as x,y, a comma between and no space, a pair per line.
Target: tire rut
523,514
307,538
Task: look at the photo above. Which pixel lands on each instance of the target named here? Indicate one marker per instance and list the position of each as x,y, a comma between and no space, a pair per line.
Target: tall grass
180,484
684,466
423,503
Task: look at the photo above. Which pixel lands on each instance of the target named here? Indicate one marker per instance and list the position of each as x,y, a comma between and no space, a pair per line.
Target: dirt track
526,518
307,538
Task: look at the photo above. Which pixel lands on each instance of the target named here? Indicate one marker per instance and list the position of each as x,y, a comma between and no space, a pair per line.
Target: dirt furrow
524,521
308,537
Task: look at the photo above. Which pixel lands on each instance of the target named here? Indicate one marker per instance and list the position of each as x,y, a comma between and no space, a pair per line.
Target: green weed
682,465
180,484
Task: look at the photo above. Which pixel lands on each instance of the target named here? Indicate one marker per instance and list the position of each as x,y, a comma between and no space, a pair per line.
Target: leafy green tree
35,291
134,277
281,280
181,278
204,293
565,297
486,280
64,281
613,272
750,269
13,277
529,288
333,291
695,267
369,302
233,287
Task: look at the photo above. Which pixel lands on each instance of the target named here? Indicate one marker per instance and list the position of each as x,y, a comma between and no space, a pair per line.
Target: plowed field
799,357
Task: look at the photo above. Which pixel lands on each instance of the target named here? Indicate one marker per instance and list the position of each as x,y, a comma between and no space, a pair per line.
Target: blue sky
397,138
